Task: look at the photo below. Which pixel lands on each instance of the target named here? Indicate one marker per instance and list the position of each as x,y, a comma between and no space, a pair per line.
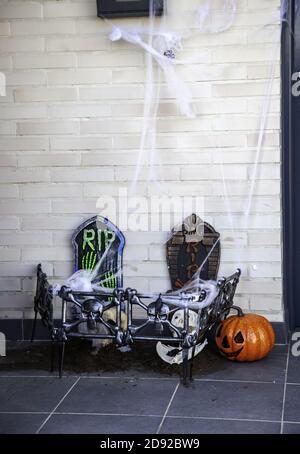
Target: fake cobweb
196,41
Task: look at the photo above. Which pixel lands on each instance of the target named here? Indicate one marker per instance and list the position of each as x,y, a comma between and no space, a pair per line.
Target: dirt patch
142,359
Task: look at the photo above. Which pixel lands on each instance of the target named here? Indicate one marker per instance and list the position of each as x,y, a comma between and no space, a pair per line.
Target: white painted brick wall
70,132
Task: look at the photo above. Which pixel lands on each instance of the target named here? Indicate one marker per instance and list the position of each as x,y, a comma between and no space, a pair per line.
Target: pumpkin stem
240,313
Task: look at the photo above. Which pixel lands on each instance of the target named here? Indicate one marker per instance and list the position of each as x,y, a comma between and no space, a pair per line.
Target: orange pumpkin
245,337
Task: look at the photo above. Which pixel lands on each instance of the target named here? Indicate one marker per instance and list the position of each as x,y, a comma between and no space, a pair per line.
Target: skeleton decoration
174,355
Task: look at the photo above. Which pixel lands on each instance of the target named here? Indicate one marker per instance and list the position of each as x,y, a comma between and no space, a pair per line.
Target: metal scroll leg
52,355
61,357
185,364
33,327
192,363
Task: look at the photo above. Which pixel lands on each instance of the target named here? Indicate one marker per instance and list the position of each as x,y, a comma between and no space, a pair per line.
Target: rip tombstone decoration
128,8
99,239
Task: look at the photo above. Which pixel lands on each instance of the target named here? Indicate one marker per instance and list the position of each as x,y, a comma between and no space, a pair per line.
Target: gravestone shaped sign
97,239
195,244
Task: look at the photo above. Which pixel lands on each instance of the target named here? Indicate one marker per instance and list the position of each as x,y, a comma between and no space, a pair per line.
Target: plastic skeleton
181,321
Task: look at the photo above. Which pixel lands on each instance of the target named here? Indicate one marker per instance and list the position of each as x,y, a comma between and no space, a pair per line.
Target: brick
79,110
184,125
79,77
165,173
4,28
45,94
262,187
146,269
110,127
98,159
17,300
157,285
9,191
112,92
51,222
8,98
45,253
243,54
263,71
13,44
47,127
16,269
63,269
77,43
5,62
23,143
11,314
24,175
10,284
9,222
24,207
256,105
98,189
20,10
21,111
132,253
34,77
25,238
185,188
69,9
80,143
242,89
83,174
238,204
245,157
232,172
7,127
44,60
264,172
261,238
42,27
8,160
75,206
9,254
50,190
271,270
109,58
252,255
270,139
237,222
266,303
211,140
261,287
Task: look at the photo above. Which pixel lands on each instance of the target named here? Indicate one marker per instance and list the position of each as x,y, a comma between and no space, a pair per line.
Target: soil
142,359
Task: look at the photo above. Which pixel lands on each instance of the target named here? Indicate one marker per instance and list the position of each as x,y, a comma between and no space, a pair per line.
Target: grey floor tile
20,423
270,369
90,424
292,403
213,426
119,396
32,394
229,400
291,428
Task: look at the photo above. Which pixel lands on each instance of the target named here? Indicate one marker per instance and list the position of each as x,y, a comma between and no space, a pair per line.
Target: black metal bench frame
93,305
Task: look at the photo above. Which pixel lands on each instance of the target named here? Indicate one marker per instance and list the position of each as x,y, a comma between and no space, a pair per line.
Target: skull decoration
173,355
247,337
